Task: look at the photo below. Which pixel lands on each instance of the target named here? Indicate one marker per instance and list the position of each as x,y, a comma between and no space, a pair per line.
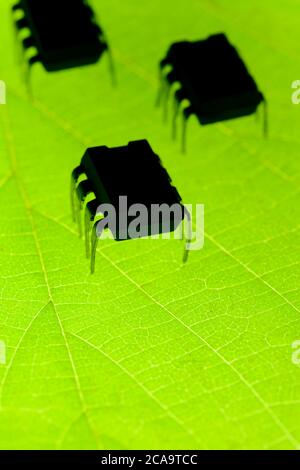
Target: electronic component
61,34
133,172
212,80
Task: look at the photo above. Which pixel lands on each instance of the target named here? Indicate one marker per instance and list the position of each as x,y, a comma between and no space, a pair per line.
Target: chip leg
111,65
19,25
266,120
170,79
83,190
162,84
161,92
187,112
97,230
111,62
22,46
89,217
76,174
28,62
166,100
176,106
28,72
94,244
178,98
27,79
188,234
17,44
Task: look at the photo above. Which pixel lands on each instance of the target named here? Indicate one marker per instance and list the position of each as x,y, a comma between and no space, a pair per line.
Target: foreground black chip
213,78
122,178
63,33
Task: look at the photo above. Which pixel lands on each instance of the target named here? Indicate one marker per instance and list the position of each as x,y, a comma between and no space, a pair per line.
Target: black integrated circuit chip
61,34
133,171
213,82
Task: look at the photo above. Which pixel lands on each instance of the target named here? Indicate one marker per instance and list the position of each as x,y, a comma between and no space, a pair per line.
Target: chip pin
89,216
76,174
266,119
176,107
166,101
186,114
94,244
188,238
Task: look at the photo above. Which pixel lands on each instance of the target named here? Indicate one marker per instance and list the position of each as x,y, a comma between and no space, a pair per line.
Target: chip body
133,172
212,77
64,33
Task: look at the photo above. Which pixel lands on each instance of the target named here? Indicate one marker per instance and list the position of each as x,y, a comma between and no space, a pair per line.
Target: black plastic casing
214,79
64,32
136,172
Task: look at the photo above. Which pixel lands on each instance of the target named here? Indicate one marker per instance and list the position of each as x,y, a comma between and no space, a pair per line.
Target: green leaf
148,353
